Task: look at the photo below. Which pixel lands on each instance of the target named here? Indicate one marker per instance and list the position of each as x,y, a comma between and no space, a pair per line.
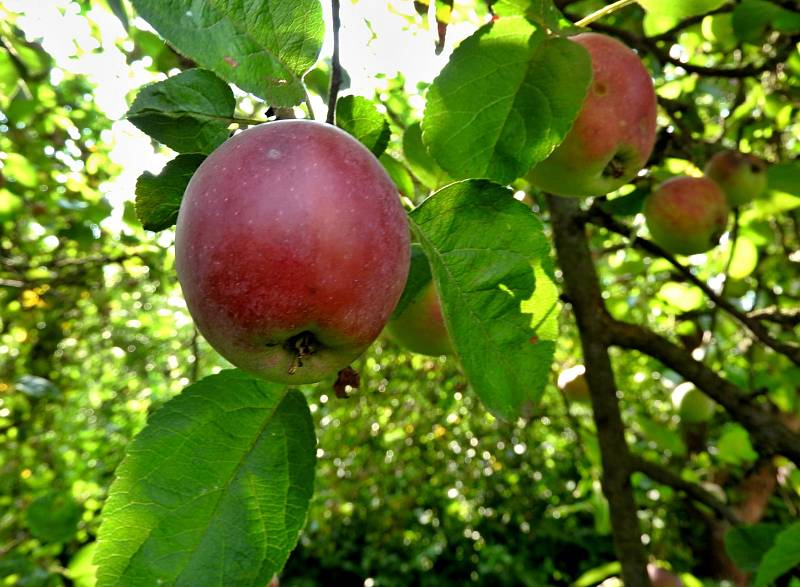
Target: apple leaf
753,18
541,12
118,8
359,117
263,46
54,517
214,491
746,545
503,103
419,275
782,557
678,9
422,165
490,260
158,197
189,112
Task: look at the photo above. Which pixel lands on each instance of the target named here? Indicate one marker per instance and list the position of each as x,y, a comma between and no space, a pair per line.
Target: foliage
435,471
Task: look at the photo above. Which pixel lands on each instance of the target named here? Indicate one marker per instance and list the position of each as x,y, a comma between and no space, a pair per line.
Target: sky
370,38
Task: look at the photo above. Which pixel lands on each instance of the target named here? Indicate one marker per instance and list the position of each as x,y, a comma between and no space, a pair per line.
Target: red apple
741,177
613,135
572,382
662,578
686,215
292,249
420,325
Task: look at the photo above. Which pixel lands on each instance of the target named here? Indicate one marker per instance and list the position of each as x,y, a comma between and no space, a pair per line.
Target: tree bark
583,290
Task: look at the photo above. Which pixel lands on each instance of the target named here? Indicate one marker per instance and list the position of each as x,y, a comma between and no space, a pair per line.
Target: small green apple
742,177
693,405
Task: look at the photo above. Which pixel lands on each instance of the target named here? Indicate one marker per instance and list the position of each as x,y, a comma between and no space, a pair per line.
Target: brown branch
767,432
663,55
785,317
601,218
336,67
664,476
583,289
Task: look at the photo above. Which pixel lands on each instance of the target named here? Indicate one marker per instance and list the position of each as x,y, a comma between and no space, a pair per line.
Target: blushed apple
686,215
662,578
613,135
420,325
292,249
742,177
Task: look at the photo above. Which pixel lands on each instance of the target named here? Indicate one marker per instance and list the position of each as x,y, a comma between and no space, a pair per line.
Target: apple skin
292,249
420,326
742,177
694,407
613,135
686,215
662,578
572,382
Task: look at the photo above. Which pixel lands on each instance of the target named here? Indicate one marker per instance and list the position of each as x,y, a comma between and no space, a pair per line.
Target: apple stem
302,345
605,11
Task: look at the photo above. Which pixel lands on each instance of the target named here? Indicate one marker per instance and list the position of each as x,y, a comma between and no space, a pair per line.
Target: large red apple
613,135
686,215
742,177
292,249
419,327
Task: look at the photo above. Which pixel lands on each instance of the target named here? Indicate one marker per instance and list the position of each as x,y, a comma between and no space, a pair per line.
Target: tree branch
664,476
767,432
583,289
336,68
601,218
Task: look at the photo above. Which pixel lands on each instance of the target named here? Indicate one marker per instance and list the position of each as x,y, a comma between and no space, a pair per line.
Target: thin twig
605,11
336,68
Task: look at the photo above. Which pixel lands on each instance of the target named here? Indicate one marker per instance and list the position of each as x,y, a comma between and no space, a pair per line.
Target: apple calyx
303,345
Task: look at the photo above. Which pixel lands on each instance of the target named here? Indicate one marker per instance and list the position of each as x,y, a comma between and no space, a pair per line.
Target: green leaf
544,13
785,178
54,517
422,165
214,491
9,78
503,103
734,446
746,545
678,9
361,118
158,197
489,258
81,571
663,437
419,275
782,557
263,46
753,18
627,205
119,10
399,175
189,112
744,260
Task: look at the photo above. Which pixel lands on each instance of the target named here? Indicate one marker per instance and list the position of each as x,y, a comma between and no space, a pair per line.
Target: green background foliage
416,481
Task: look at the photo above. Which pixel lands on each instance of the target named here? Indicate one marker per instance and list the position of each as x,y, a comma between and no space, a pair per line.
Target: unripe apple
613,135
419,327
693,405
662,578
572,383
686,215
742,177
292,249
